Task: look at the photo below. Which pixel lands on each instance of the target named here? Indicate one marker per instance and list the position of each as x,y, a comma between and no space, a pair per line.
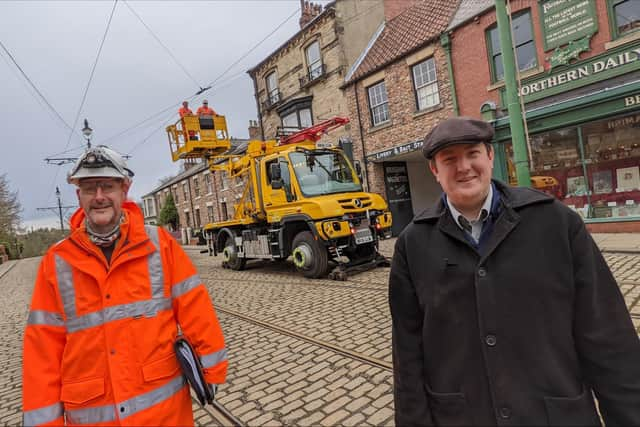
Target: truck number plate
363,235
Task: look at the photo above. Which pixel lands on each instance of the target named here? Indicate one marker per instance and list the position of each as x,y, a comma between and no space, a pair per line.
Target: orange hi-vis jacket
98,346
185,111
205,111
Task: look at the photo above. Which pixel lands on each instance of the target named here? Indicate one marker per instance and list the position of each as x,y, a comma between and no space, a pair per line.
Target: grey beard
104,239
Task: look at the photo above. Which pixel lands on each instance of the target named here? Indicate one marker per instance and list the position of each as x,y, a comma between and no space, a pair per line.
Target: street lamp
87,131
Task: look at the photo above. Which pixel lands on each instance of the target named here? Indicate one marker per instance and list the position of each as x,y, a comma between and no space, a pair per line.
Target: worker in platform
204,109
185,110
504,311
108,304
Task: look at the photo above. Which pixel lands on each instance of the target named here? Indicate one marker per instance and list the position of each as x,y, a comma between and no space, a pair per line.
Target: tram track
317,284
220,414
320,343
9,269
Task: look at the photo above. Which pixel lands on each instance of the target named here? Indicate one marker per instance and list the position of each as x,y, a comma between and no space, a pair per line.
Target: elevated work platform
198,137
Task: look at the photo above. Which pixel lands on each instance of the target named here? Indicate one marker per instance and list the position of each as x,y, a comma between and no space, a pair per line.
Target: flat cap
456,130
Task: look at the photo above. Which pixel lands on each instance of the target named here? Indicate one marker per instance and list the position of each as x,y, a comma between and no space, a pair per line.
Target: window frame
196,187
319,61
430,83
273,93
224,185
197,219
185,191
208,183
490,53
613,24
297,114
175,193
371,107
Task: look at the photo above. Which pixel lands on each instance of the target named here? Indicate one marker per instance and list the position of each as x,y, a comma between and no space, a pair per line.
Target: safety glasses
90,188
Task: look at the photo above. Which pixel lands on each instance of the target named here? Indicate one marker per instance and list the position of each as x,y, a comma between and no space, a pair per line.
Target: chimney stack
254,130
309,11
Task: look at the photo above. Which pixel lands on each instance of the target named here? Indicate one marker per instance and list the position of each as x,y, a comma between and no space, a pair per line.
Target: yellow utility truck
301,198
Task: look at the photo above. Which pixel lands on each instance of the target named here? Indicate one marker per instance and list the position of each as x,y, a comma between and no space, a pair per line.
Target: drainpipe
445,41
255,89
516,118
193,213
364,153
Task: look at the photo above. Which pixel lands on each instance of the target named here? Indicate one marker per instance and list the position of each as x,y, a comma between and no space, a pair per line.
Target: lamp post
516,116
87,131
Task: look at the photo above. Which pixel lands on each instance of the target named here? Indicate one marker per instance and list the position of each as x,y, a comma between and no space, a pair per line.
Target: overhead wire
254,47
144,140
34,87
209,86
86,90
163,45
151,117
93,69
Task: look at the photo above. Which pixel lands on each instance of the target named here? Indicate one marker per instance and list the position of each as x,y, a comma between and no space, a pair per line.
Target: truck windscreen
323,172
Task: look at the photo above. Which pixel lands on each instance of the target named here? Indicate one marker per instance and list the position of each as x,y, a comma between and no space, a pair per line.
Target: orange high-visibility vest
185,112
98,346
205,111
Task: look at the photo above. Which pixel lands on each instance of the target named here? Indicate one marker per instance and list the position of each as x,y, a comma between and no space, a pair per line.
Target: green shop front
583,123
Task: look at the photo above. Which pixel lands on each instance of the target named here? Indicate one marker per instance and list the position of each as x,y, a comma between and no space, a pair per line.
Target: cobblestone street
301,352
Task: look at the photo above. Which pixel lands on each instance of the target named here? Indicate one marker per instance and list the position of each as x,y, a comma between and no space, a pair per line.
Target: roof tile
414,27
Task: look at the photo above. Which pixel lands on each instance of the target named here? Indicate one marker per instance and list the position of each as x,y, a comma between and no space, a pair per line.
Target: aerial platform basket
198,137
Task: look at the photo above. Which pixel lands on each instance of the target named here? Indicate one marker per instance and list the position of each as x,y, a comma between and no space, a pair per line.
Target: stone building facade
298,85
397,91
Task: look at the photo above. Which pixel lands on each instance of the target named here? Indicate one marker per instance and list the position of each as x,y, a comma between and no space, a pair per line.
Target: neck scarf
104,239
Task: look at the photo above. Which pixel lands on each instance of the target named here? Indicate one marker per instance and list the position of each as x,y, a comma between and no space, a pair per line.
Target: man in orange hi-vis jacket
109,302
204,109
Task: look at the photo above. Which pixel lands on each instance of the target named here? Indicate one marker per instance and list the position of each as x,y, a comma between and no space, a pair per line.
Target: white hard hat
99,162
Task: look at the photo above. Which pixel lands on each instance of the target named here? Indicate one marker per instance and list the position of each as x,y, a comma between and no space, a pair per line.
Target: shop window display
593,168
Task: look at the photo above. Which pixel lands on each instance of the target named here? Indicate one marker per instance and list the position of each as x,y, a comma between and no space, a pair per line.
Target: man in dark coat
504,310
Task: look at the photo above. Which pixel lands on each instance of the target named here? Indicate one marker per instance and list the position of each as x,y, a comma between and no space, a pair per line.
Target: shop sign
581,74
624,122
395,151
631,101
564,21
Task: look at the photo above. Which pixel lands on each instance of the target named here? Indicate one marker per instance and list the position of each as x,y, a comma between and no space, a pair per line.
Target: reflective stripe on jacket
98,346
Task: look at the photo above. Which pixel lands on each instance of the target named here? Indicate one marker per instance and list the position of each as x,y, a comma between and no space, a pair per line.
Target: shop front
584,146
409,185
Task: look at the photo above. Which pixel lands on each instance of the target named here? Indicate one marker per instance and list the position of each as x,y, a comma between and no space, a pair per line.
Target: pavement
275,323
607,242
618,242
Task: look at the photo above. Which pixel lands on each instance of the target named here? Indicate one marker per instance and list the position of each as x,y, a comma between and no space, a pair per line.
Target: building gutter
364,152
255,90
445,41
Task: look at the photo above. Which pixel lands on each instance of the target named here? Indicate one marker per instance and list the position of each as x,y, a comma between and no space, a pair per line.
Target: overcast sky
56,44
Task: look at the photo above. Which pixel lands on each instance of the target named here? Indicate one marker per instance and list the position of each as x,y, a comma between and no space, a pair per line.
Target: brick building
298,84
396,92
579,71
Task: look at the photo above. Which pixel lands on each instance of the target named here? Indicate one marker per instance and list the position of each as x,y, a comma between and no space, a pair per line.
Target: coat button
113,351
490,340
107,296
505,412
482,272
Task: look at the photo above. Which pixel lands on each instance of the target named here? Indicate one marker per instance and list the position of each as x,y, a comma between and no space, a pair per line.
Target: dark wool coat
523,335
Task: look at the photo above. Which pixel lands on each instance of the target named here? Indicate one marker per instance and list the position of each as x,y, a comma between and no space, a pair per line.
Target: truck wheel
309,256
230,255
